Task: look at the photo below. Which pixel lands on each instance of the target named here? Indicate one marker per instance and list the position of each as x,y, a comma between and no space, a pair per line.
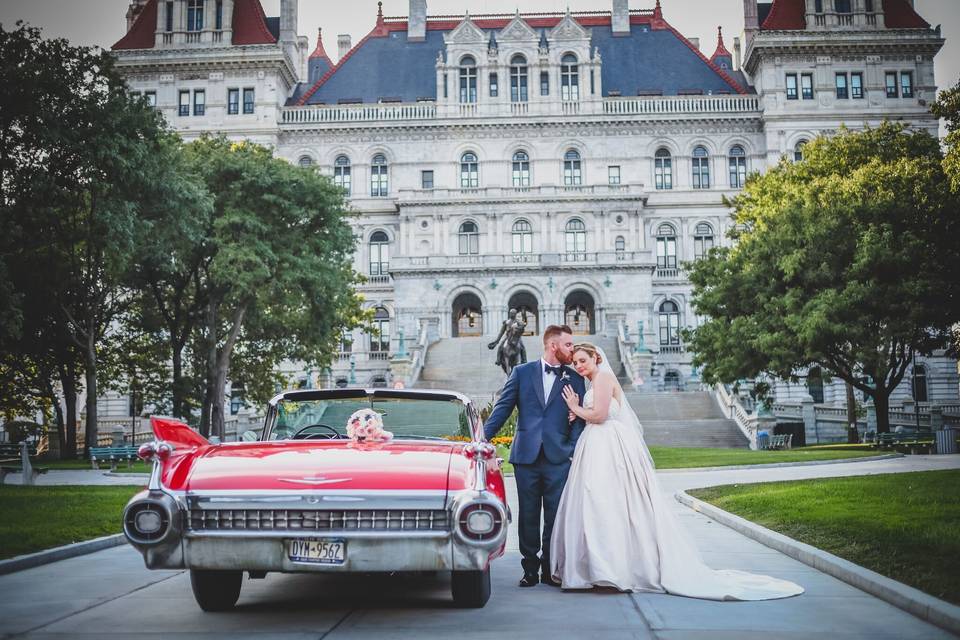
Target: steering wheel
300,435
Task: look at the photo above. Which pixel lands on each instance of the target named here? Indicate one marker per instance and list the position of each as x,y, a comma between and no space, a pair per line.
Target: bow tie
557,370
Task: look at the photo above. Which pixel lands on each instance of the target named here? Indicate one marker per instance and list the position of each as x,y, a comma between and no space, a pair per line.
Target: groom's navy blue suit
540,453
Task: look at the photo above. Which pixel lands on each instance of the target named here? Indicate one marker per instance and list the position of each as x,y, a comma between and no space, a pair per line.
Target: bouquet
365,425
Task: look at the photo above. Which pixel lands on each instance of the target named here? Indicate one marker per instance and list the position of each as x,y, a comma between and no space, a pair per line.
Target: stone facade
580,202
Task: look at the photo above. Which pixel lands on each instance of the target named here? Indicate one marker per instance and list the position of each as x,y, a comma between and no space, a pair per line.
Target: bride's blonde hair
590,350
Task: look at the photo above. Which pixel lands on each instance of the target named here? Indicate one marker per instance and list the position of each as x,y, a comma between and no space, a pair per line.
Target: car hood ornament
315,480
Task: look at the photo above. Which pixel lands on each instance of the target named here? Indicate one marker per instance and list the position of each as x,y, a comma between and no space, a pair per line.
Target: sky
102,22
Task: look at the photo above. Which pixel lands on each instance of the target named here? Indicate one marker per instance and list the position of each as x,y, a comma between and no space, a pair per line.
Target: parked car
306,497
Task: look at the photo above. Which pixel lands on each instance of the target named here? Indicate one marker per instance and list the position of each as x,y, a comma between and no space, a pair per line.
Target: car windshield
409,418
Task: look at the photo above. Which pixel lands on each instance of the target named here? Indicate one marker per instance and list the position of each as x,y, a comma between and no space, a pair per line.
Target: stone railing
491,261
749,423
655,107
539,192
407,364
629,358
828,423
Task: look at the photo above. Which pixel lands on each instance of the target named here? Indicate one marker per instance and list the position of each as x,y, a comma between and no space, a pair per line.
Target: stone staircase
670,419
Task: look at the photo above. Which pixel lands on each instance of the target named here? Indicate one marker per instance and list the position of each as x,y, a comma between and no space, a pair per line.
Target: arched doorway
467,315
526,305
579,313
671,380
815,384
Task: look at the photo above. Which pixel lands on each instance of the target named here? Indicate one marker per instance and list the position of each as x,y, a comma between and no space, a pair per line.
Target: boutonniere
564,377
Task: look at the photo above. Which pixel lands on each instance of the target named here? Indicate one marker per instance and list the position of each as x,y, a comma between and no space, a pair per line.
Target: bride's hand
571,397
571,416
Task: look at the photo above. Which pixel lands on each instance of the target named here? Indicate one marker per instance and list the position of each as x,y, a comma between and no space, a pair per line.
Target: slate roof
654,59
250,26
788,15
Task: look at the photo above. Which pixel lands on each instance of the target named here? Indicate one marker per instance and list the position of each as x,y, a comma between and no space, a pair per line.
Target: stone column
808,411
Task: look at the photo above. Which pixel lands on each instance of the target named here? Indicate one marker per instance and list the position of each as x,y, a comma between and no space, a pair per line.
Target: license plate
320,550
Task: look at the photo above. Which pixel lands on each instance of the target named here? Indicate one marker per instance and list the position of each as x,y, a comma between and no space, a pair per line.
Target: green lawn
689,457
41,517
905,526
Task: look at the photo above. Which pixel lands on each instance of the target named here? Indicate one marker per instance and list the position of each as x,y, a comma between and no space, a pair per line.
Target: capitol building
566,165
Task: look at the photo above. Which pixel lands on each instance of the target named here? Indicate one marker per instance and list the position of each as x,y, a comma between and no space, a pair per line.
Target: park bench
113,454
8,464
769,442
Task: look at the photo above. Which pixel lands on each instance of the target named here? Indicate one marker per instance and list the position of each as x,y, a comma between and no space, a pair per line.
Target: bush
509,429
20,430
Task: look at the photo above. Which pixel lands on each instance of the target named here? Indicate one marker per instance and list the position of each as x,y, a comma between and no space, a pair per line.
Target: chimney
417,21
620,19
695,42
343,45
736,54
288,21
751,22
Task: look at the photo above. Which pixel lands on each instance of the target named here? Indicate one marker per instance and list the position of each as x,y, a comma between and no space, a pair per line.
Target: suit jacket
538,424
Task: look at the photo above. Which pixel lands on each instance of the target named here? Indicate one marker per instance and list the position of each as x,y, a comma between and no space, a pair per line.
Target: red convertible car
305,497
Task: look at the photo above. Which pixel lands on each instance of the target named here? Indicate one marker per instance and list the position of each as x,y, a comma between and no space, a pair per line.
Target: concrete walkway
109,594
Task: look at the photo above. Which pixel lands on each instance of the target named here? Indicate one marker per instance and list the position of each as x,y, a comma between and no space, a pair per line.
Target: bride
614,527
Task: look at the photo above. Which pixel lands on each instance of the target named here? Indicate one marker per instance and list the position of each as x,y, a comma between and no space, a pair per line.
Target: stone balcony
528,261
653,108
541,193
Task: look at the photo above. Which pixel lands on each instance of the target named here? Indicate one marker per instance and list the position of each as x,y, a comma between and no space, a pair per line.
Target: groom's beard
564,358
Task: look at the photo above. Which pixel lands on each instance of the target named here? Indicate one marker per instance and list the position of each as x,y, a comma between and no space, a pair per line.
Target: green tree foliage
88,174
947,107
847,260
276,280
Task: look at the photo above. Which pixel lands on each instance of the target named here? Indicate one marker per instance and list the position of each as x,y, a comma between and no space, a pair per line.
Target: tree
276,278
847,260
947,107
88,173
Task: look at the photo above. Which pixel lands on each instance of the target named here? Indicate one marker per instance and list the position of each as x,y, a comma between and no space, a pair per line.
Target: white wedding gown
614,527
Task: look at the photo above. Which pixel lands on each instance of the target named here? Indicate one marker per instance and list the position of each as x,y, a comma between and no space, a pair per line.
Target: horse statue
511,351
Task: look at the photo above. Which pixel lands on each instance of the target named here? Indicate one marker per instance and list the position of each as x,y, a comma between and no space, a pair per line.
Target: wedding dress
614,527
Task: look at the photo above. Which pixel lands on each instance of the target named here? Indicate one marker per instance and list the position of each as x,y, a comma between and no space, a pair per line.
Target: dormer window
468,80
194,15
518,79
569,78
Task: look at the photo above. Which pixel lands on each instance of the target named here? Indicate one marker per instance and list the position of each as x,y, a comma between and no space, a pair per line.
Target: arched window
666,247
702,240
380,338
738,167
669,323
919,383
469,239
569,78
620,244
379,254
305,161
522,237
378,176
798,151
469,171
521,169
341,173
701,168
468,79
663,169
576,239
572,175
518,78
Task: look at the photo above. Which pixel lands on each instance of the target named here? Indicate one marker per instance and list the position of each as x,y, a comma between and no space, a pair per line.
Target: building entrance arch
579,313
467,315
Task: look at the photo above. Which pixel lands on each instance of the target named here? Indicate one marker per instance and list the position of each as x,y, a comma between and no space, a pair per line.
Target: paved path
109,594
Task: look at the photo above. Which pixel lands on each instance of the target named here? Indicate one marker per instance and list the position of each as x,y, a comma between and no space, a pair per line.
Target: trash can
947,440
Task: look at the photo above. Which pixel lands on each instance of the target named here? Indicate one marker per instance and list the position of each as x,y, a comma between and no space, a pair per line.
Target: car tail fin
177,433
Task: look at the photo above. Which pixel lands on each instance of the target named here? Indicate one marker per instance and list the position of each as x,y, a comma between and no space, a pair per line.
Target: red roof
721,50
786,15
250,24
789,14
141,34
898,14
320,52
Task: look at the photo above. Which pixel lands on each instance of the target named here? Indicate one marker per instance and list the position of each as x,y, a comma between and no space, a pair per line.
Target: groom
543,445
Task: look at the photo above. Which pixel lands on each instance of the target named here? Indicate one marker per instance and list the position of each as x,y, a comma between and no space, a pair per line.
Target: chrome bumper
267,550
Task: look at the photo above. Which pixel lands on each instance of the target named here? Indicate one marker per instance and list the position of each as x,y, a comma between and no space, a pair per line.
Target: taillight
480,522
150,451
480,450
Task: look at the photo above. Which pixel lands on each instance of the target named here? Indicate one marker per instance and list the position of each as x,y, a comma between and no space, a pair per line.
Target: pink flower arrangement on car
365,425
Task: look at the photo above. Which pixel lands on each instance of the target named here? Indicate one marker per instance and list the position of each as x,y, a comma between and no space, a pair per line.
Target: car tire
471,589
216,590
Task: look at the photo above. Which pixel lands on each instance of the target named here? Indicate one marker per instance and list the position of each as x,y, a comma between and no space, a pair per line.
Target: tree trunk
881,402
178,390
68,381
852,436
90,371
217,425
